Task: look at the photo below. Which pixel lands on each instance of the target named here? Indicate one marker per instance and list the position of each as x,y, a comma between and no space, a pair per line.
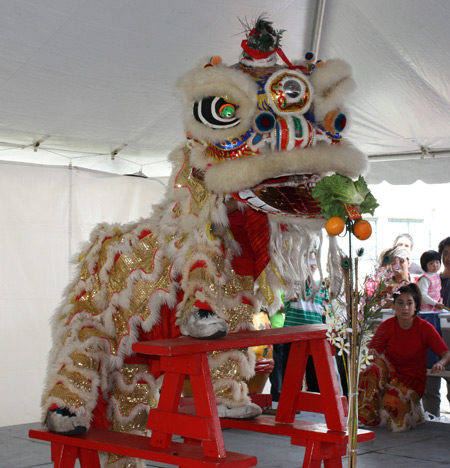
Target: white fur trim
58,423
239,391
247,411
240,174
246,364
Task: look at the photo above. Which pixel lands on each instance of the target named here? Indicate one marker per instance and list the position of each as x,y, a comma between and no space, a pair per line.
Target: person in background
306,311
430,287
430,282
391,388
444,251
396,260
432,398
276,376
406,241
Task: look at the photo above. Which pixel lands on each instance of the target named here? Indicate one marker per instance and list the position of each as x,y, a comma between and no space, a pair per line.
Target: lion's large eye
216,112
289,92
293,89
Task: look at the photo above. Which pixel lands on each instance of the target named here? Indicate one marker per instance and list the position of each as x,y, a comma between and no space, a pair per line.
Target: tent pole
317,29
423,154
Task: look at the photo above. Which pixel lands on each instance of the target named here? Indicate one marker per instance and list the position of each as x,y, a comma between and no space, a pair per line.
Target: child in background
430,287
430,282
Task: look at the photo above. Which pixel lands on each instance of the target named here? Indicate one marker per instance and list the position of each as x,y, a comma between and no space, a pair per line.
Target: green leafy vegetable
333,191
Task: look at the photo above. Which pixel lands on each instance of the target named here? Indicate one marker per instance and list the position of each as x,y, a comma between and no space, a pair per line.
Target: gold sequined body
125,277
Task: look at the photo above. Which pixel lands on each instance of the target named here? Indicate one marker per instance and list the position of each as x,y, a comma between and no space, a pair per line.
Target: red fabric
255,54
407,349
251,230
257,227
166,328
244,264
198,264
202,305
99,419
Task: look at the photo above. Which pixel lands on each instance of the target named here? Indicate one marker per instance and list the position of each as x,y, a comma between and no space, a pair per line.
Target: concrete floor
427,446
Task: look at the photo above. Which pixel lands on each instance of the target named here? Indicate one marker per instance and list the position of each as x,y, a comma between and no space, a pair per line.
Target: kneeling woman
391,388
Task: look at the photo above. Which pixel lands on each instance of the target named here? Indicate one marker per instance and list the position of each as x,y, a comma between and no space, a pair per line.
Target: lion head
266,132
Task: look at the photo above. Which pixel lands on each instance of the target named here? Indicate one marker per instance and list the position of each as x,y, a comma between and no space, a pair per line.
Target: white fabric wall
45,213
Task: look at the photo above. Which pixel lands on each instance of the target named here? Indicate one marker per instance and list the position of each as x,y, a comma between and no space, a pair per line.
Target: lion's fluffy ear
332,82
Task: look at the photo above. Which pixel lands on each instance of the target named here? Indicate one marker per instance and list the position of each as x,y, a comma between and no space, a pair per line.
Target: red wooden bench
199,423
67,449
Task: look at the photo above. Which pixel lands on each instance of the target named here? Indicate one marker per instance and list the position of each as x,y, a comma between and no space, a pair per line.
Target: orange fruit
362,229
335,225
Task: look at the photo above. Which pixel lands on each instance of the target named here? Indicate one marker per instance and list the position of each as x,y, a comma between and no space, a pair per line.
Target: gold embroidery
85,304
138,423
224,392
140,395
141,257
79,380
237,283
242,313
126,462
84,362
141,292
90,332
265,288
229,369
199,192
129,371
70,398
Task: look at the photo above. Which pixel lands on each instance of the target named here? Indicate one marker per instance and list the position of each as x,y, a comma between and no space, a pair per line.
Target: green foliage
335,190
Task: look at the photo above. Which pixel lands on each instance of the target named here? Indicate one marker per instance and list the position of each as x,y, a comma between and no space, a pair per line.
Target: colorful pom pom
213,61
334,121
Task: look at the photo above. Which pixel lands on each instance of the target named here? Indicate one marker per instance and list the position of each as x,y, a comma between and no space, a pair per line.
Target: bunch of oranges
360,227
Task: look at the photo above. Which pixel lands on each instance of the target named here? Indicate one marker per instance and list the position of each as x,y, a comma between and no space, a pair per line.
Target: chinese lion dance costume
235,227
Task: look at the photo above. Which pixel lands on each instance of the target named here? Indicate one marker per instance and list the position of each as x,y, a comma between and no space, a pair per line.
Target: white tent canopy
80,79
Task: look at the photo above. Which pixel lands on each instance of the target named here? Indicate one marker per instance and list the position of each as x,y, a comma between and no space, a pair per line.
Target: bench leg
292,382
56,450
169,400
309,461
89,459
206,406
66,457
329,389
333,463
330,454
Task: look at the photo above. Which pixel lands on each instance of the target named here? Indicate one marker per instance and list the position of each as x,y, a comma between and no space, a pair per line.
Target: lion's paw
62,421
204,324
248,411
